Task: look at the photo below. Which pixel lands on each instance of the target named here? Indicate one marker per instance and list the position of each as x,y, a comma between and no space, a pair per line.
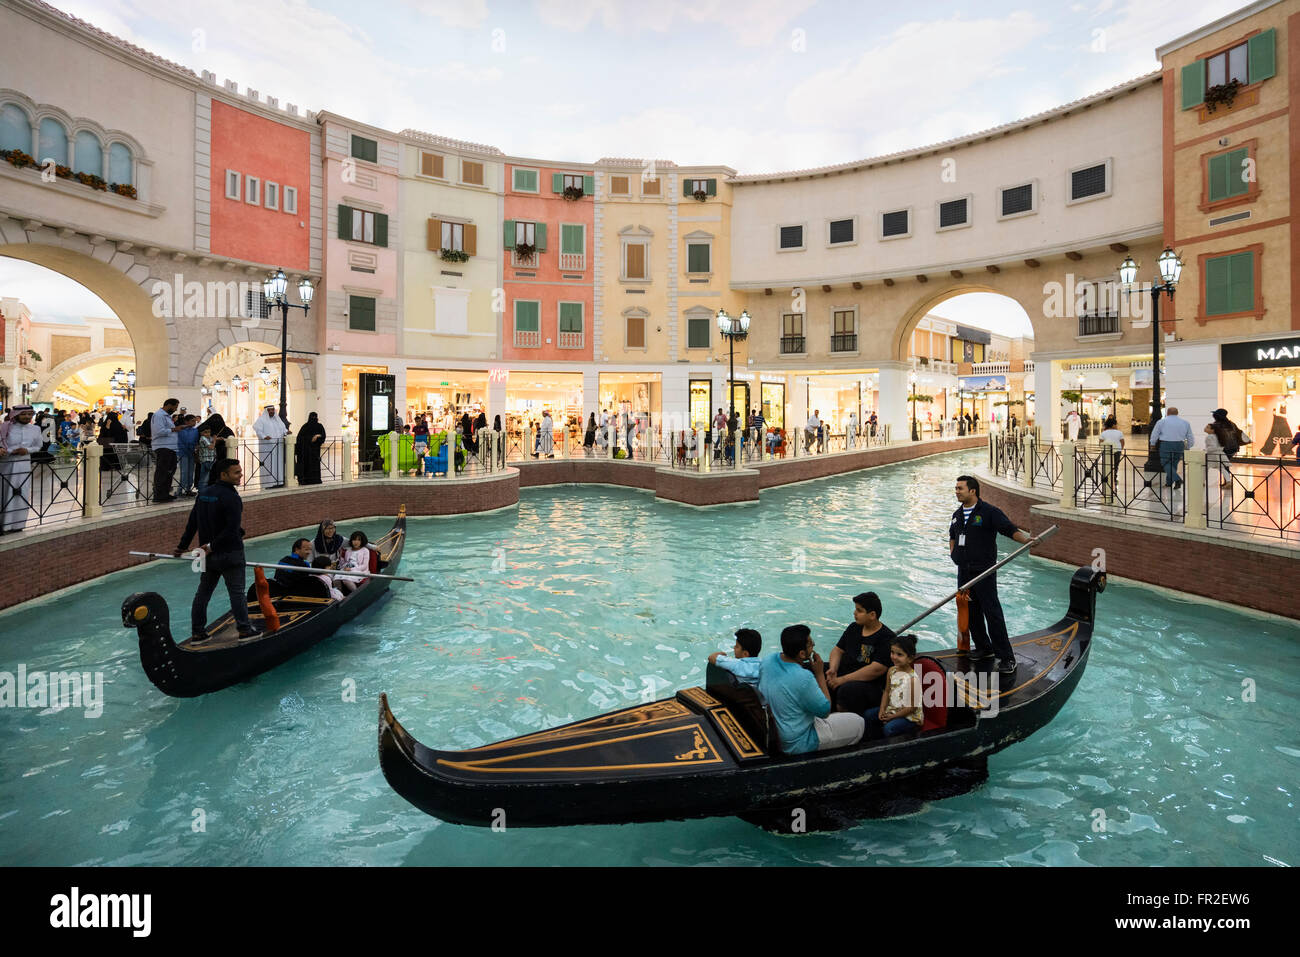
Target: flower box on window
573,192
123,189
453,256
700,195
18,158
1221,94
525,250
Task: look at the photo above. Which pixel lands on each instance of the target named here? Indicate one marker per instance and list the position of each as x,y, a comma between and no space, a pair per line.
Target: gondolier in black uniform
973,544
216,516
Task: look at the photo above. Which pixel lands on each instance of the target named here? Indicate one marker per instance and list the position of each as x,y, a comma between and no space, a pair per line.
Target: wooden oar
1046,533
189,557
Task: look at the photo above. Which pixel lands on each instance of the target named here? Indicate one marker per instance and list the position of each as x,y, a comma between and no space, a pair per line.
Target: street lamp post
1114,400
732,330
1171,268
1078,403
275,291
911,378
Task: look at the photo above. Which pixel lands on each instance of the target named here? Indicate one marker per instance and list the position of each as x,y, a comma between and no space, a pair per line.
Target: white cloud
50,296
757,22
452,13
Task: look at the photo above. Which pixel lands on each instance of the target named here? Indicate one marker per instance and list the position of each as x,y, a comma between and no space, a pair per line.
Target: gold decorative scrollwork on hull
700,751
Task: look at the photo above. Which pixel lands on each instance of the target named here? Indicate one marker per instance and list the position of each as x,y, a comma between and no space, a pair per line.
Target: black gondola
307,616
710,751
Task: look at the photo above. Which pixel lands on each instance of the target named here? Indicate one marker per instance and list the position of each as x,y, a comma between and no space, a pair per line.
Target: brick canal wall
1260,573
37,563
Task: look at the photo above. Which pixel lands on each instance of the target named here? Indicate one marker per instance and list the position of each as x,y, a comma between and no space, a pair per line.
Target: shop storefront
442,395
1259,391
836,396
774,404
639,394
351,396
529,394
701,403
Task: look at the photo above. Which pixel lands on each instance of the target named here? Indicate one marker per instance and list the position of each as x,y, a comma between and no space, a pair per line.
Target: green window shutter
712,188
1193,84
1261,55
557,182
345,222
571,240
540,234
697,257
381,229
570,317
697,333
589,186
365,149
686,188
1219,174
508,232
1218,286
361,313
1237,185
526,316
1241,270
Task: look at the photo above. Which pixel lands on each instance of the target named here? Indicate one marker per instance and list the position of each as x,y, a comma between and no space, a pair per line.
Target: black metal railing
41,491
1107,478
1257,496
1099,324
844,342
792,345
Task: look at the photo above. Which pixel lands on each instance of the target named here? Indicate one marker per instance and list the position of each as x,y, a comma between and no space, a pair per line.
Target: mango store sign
1261,353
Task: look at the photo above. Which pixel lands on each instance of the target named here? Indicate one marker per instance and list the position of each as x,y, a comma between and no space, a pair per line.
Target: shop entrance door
774,404
740,395
701,403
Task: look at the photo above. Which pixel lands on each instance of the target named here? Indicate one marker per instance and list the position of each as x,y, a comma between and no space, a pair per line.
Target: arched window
120,165
15,129
53,142
90,155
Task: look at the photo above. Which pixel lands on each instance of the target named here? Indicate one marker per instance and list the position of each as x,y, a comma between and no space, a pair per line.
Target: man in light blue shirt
164,442
1172,436
744,662
799,699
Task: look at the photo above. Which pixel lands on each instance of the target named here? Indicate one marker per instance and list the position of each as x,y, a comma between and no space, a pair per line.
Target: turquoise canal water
588,599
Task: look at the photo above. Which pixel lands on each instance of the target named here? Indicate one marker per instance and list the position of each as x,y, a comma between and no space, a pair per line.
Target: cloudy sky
758,85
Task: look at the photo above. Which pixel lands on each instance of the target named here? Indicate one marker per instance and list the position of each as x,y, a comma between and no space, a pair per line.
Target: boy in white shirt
744,661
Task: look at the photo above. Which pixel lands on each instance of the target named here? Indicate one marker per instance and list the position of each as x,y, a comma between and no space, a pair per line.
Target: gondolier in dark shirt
973,544
216,517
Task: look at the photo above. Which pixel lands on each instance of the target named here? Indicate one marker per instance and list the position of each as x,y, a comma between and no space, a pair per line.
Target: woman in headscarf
306,451
112,431
328,542
589,439
220,433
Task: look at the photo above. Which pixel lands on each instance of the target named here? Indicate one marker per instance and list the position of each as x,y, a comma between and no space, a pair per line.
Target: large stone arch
70,367
933,298
263,339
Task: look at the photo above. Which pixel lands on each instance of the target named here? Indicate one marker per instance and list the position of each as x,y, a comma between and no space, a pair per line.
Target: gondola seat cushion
932,673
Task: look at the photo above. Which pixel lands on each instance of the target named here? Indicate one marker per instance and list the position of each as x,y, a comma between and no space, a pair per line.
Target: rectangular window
575,181
1089,181
636,332
573,246
650,187
952,213
697,257
431,165
272,195
363,226
791,237
253,190
792,333
291,200
844,333
841,231
471,174
570,317
364,149
1227,66
525,234
453,236
361,313
619,186
1227,175
1017,200
697,332
697,187
1230,284
896,223
524,180
634,266
1249,62
232,184
528,324
256,306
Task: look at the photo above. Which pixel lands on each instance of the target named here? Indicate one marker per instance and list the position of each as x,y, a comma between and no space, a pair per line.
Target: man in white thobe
547,444
1072,422
270,431
21,439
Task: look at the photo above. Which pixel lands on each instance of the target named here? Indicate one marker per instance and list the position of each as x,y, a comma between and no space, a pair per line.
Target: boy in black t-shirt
859,661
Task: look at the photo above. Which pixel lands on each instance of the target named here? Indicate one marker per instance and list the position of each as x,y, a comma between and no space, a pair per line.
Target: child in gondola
744,662
900,705
354,558
323,562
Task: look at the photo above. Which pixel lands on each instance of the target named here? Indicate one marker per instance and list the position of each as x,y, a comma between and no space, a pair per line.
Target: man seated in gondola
744,662
300,557
859,661
799,699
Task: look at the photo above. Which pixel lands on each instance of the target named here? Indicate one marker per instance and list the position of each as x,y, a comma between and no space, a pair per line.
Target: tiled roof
108,37
968,138
448,143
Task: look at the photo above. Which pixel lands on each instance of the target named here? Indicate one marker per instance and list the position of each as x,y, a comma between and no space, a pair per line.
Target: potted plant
453,256
573,192
700,195
1221,94
123,189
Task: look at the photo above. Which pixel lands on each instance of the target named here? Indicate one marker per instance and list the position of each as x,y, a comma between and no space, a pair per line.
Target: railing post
90,507
394,441
1067,475
1194,488
993,454
1108,473
1027,471
346,470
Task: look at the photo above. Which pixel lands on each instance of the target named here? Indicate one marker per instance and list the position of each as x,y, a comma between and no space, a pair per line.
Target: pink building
547,235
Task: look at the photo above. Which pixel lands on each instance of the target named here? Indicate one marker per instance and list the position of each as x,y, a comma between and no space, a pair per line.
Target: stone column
1047,398
1067,475
1194,471
894,398
90,506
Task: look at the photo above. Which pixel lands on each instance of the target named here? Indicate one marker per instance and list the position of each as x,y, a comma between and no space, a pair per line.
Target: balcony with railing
523,261
792,345
1099,324
844,342
573,262
572,340
528,339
